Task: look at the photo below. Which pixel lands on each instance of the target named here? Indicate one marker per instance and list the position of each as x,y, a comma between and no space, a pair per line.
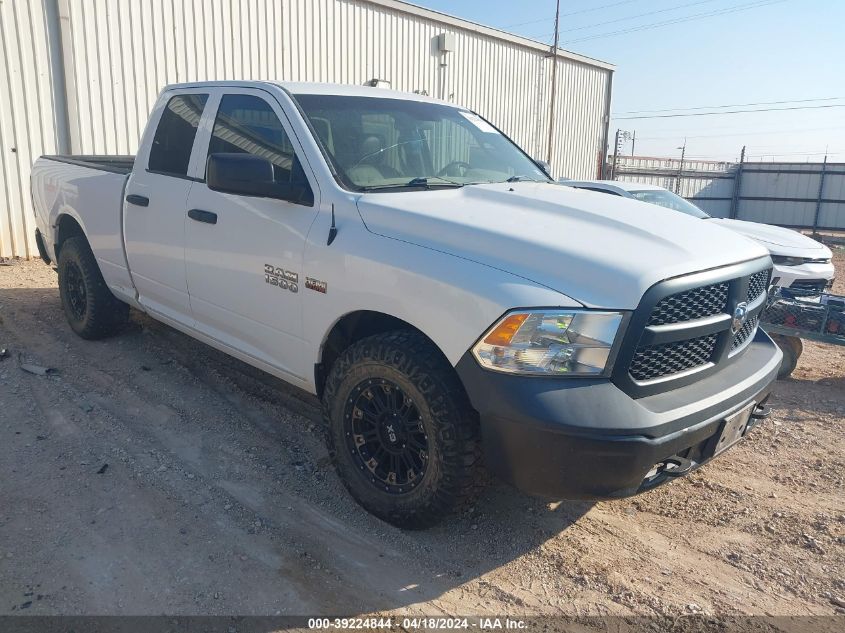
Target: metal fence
797,195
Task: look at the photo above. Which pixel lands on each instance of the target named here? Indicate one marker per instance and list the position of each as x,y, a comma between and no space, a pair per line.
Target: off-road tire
95,313
792,348
409,361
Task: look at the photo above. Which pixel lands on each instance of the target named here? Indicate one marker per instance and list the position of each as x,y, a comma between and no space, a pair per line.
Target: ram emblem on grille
740,315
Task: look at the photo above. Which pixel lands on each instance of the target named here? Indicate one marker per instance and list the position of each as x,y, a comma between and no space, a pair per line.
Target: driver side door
243,253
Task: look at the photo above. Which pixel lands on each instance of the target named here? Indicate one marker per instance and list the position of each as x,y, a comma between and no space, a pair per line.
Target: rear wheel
400,429
792,348
91,309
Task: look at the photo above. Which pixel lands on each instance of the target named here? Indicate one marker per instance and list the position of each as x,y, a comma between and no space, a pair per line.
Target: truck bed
89,190
116,164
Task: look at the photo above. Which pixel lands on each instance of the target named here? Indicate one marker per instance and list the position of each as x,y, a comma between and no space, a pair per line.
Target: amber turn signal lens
505,331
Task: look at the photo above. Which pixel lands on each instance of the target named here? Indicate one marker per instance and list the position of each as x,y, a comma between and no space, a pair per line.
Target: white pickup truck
403,260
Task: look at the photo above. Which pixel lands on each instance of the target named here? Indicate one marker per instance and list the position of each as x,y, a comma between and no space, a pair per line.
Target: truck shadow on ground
244,452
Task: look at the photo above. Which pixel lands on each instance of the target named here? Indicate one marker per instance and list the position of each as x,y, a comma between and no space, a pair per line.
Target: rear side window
174,137
247,124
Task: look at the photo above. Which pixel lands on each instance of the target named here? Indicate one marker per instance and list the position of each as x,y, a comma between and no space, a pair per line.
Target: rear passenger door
154,206
244,252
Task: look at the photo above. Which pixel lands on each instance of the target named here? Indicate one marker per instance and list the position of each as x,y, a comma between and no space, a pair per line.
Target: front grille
657,361
690,304
678,336
748,329
757,284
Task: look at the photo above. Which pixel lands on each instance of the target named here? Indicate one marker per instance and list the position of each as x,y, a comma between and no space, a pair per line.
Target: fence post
819,198
737,185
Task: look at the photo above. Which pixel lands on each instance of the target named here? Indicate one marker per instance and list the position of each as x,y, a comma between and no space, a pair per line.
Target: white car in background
800,262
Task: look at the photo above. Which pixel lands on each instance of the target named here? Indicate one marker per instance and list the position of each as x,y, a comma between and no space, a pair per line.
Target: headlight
549,342
782,260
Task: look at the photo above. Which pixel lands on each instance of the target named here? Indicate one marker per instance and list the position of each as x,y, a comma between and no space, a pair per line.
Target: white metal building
81,75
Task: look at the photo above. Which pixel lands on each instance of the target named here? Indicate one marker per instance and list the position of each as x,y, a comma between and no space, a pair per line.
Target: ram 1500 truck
406,262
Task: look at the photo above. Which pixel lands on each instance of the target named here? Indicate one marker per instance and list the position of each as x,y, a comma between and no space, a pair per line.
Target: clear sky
769,51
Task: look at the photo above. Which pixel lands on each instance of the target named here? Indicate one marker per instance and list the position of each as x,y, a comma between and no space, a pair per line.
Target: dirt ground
151,474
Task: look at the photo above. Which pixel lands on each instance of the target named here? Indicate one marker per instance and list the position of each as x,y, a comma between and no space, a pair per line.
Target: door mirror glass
251,175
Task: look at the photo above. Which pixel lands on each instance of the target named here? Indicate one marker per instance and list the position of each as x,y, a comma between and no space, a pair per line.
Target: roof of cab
301,87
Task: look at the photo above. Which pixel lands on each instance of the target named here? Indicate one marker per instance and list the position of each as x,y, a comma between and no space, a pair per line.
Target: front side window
174,138
377,143
247,125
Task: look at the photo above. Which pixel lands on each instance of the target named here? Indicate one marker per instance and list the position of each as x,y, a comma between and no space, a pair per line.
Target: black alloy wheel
385,434
77,296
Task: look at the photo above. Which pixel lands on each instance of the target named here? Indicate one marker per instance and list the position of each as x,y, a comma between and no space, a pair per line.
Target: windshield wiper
524,179
420,181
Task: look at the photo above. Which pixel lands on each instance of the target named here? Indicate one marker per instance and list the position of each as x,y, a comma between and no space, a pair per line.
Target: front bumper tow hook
676,466
761,412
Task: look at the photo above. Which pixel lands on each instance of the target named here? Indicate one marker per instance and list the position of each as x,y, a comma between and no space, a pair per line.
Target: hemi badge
315,284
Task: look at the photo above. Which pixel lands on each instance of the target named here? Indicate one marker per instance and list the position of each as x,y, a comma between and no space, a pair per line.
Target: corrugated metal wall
27,129
117,55
788,194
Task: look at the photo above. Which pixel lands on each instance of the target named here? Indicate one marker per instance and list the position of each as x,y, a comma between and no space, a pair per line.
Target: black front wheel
400,429
792,348
91,309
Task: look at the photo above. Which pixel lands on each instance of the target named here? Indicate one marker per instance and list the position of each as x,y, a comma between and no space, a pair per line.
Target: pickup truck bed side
86,193
115,164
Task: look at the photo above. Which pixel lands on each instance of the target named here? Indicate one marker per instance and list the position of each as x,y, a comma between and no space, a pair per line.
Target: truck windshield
381,144
665,198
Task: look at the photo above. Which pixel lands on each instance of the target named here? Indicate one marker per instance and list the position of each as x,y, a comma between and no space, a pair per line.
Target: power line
624,19
688,18
795,154
759,133
540,38
674,116
566,15
793,147
731,105
639,15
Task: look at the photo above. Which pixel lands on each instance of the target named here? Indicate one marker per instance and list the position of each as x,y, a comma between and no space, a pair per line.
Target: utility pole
819,197
553,52
734,211
615,154
683,149
633,142
622,136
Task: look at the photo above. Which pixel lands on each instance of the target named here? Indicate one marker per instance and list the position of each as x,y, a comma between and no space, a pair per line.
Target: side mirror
250,175
547,169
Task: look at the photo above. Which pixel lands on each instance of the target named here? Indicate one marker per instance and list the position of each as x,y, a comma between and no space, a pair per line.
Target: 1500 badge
284,279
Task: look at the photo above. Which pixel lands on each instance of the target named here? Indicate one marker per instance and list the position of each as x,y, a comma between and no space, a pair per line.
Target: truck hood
600,250
778,240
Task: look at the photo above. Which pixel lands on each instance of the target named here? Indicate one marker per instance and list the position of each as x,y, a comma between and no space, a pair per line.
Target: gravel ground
151,474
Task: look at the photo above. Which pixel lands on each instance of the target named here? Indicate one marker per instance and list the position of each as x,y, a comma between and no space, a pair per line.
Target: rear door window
174,137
